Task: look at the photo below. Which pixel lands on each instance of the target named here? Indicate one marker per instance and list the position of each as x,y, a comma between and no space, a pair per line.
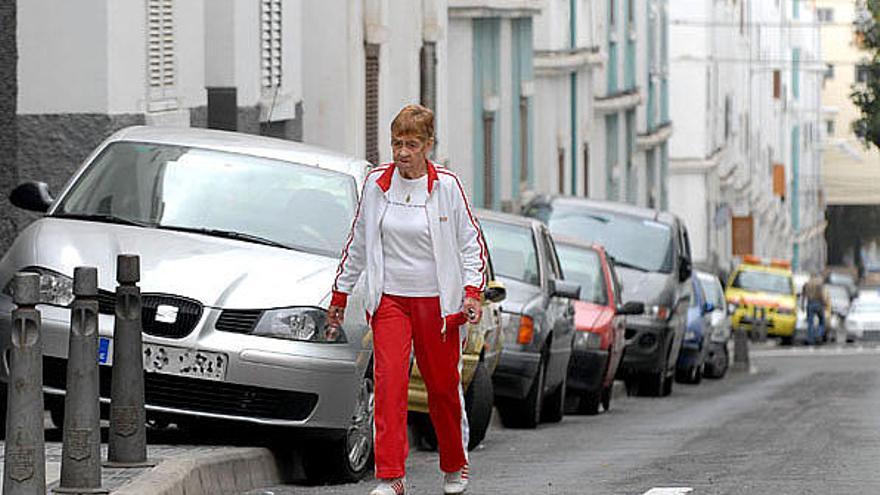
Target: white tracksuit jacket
459,250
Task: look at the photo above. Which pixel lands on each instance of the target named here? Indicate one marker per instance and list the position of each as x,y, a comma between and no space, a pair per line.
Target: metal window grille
270,43
372,102
161,73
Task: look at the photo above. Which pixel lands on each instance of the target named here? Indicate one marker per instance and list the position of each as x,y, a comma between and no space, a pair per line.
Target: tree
866,93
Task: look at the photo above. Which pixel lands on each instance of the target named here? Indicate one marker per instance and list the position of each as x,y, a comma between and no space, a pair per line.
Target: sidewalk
179,470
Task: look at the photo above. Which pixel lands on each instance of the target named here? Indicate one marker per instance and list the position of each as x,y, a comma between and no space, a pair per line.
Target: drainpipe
572,44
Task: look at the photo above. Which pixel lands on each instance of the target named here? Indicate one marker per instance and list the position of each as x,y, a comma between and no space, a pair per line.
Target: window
777,84
372,102
560,172
270,43
829,127
631,11
728,117
612,8
829,71
161,73
863,73
583,266
825,15
428,73
514,254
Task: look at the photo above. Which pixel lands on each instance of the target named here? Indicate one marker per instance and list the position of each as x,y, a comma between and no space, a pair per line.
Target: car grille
189,312
192,394
238,320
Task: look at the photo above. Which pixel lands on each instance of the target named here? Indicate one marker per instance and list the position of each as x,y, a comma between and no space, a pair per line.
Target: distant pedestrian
817,301
417,243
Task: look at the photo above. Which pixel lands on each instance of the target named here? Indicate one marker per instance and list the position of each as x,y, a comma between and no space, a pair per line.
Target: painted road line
669,491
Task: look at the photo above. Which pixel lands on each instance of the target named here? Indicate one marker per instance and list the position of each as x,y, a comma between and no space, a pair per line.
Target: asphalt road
803,421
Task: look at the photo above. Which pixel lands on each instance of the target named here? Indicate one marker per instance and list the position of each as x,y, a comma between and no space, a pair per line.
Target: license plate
171,360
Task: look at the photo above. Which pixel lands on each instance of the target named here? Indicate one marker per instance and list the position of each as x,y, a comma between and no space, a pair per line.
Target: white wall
63,58
688,199
461,100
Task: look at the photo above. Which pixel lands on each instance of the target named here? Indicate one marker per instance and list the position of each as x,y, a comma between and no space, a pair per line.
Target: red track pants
397,324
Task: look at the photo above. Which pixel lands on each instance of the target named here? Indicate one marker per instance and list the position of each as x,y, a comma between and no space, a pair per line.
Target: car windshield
215,192
712,288
633,242
759,281
583,266
513,251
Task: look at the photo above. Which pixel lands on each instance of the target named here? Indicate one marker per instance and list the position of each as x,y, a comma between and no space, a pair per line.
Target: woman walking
417,243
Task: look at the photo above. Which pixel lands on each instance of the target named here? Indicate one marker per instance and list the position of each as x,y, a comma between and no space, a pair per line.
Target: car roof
508,218
611,207
237,142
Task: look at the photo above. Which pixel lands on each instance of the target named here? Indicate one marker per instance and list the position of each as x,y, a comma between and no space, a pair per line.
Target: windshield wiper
102,217
227,234
624,264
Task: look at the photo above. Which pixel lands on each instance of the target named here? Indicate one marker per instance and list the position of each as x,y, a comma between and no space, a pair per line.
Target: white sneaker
454,483
396,486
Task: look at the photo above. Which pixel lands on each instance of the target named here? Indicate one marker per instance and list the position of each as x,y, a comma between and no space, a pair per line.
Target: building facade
746,78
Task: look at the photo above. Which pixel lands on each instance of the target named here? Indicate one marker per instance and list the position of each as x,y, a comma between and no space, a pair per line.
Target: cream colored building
851,172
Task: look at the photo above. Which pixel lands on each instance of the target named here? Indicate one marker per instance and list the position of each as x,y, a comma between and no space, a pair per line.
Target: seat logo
166,314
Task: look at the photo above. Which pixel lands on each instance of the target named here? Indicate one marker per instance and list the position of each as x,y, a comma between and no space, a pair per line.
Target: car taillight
526,330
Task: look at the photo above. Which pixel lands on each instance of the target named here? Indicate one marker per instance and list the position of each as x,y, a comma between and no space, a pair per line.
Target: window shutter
777,84
743,236
428,74
779,180
270,43
372,102
161,73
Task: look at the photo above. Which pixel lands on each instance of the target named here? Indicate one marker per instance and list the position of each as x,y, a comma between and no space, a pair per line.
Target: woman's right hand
335,316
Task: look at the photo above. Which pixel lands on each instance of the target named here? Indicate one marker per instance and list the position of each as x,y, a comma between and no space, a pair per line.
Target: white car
863,320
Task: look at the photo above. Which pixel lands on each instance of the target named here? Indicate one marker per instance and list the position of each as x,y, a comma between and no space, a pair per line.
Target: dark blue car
697,337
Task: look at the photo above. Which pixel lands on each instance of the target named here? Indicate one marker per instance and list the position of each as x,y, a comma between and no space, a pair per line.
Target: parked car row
240,236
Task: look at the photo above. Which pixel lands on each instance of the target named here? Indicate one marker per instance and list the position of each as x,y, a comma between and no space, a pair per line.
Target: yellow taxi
760,294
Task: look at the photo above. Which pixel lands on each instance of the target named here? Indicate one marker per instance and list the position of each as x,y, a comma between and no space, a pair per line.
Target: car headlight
659,312
587,340
55,289
785,311
301,323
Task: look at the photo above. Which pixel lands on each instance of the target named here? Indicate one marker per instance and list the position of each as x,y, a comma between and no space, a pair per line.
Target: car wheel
554,406
606,398
589,403
478,401
717,367
424,436
350,458
654,384
524,413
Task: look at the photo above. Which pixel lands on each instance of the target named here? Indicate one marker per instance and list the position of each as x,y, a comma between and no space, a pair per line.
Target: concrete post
128,436
81,451
740,350
24,465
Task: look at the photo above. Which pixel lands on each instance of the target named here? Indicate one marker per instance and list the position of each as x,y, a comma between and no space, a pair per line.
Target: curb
224,471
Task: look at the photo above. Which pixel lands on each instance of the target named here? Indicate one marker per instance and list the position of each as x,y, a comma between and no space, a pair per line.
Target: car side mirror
568,290
684,269
708,307
495,292
32,196
631,308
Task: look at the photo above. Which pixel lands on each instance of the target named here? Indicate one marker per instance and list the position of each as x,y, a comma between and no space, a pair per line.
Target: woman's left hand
473,310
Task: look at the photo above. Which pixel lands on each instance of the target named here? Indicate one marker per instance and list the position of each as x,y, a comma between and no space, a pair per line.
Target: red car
600,323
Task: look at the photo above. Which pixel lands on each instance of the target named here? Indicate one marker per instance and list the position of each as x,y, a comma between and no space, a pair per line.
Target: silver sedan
238,238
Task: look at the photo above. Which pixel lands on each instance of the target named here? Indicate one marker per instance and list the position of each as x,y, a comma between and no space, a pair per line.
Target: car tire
478,402
553,409
349,458
717,368
589,402
524,413
691,376
606,398
654,384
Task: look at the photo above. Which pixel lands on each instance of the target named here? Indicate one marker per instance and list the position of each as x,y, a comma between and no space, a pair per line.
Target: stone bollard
740,350
81,451
128,435
24,465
